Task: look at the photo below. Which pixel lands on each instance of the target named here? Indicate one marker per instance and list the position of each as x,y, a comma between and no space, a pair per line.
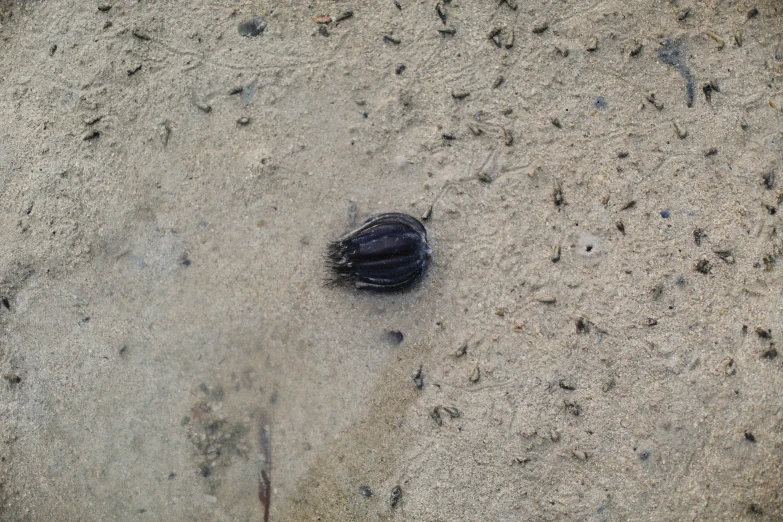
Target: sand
597,332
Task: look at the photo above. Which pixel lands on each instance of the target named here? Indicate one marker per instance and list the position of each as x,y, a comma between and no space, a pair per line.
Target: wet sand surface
596,338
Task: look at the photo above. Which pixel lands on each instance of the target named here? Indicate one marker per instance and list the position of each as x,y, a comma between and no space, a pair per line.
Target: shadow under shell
388,253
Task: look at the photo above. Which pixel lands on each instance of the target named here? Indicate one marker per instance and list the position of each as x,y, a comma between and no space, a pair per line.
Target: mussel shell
388,253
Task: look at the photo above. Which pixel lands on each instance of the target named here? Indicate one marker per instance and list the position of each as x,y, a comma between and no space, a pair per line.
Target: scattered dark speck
707,89
172,476
12,378
622,155
665,214
186,262
703,266
418,378
124,350
644,455
365,491
764,334
394,336
599,102
582,325
680,280
252,27
771,353
750,437
755,509
204,469
769,179
400,68
753,13
698,235
5,303
365,115
589,248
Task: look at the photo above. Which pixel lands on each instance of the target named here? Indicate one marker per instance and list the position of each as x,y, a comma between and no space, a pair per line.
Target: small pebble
665,214
476,375
243,121
365,491
396,495
12,378
394,336
204,107
540,28
581,455
251,27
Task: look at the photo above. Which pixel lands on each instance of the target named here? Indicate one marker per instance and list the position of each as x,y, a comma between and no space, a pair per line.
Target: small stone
204,107
104,7
508,137
141,35
581,455
12,378
394,337
546,298
703,266
251,27
365,491
540,27
484,176
592,45
476,375
396,495
243,120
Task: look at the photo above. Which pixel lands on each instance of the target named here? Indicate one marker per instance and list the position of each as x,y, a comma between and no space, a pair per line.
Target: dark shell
388,253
